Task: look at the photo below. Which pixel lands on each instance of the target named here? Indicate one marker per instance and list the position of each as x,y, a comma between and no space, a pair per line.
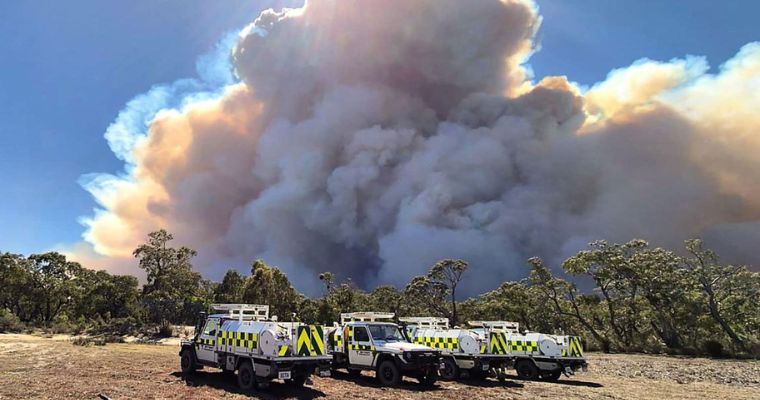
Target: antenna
364,316
240,312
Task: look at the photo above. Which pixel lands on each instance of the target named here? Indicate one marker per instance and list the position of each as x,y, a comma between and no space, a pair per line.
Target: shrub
81,341
165,329
62,324
9,322
713,348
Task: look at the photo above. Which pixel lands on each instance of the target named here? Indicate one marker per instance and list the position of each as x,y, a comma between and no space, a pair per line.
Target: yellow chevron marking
283,350
316,340
303,345
503,342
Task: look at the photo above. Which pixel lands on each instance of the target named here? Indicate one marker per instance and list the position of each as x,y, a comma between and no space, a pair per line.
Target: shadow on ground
563,380
370,381
488,383
228,382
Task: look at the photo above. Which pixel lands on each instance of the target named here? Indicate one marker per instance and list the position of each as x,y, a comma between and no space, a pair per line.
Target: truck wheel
428,378
388,374
246,377
187,362
526,369
552,376
450,369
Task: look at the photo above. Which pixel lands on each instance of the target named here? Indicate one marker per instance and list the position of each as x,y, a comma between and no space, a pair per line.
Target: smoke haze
372,138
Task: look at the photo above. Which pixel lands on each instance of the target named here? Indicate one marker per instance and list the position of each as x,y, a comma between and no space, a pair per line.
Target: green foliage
231,289
172,291
436,291
9,322
269,285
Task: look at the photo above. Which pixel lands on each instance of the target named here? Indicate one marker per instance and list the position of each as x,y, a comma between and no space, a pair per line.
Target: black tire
388,373
450,369
428,378
526,369
246,377
354,373
187,362
552,376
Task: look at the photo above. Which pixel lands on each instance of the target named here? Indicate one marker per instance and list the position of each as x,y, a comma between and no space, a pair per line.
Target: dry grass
53,368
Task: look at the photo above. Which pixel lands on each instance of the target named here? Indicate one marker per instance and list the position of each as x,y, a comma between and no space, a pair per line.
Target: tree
328,279
437,290
718,284
171,281
563,296
269,285
103,295
168,269
448,273
52,284
432,296
15,279
610,267
231,289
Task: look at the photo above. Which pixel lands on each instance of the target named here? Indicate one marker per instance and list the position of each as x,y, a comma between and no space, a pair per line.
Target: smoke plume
371,138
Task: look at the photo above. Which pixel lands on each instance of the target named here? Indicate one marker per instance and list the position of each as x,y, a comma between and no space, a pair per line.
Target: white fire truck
537,355
461,349
243,338
362,341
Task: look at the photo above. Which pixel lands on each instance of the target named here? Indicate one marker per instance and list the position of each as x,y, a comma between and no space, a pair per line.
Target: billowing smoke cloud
371,138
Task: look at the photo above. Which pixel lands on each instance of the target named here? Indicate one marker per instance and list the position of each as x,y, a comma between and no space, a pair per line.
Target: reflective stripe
361,347
449,343
246,340
525,346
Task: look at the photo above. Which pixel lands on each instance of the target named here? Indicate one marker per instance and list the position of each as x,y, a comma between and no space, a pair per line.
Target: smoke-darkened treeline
639,298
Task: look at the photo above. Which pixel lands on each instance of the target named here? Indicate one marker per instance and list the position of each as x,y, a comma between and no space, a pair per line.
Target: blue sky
68,68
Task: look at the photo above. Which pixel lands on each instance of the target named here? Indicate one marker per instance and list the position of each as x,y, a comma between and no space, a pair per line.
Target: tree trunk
715,313
453,307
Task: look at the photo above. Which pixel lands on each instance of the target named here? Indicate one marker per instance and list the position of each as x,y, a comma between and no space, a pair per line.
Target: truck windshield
389,333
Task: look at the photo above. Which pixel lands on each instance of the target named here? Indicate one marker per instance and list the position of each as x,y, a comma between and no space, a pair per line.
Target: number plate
486,367
284,375
324,373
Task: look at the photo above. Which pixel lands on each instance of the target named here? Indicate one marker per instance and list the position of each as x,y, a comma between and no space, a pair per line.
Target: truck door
360,347
206,345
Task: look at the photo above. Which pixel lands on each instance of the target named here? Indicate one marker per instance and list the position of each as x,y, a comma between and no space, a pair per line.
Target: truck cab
363,342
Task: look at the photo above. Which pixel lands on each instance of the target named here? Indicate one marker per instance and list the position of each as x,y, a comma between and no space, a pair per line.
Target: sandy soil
52,368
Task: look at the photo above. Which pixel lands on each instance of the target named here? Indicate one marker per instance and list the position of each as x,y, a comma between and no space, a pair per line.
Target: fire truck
363,341
243,338
538,356
461,349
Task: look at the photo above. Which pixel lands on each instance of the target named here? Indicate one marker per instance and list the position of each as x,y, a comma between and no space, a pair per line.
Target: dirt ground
32,367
